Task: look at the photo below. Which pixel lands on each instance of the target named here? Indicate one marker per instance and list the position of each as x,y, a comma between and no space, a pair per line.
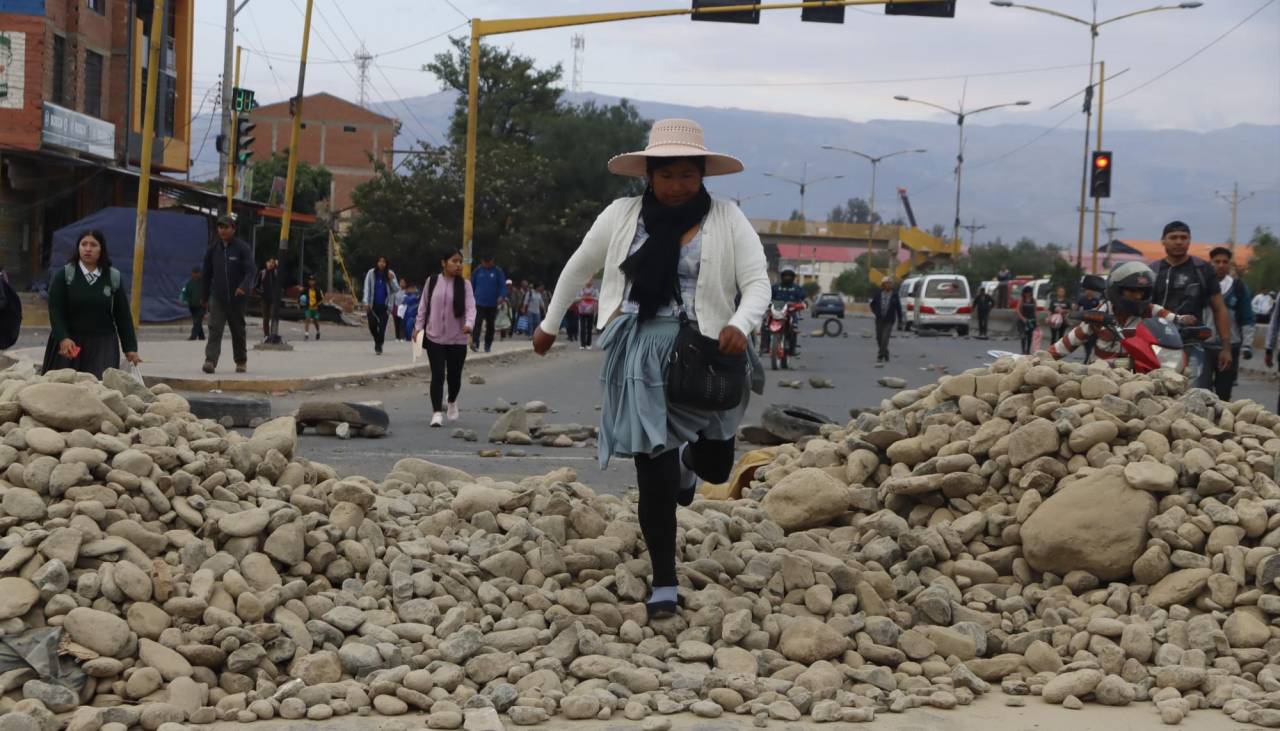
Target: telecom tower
363,58
579,44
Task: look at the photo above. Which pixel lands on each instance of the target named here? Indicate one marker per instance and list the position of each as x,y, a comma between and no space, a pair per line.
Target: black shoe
377,351
661,610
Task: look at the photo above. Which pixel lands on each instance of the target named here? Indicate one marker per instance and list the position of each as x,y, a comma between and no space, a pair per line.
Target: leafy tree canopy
1264,267
855,210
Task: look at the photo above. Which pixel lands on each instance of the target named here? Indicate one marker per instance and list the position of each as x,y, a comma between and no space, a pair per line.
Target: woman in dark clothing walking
1027,318
674,239
89,312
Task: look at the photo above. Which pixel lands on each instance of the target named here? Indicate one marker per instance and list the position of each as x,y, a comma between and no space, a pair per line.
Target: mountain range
1018,180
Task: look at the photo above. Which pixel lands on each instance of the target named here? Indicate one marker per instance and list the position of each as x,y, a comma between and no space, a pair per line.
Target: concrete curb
264,385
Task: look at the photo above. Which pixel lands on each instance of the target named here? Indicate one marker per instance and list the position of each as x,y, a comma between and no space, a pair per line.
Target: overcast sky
851,70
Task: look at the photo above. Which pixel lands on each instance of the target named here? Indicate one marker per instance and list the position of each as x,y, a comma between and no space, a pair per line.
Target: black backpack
10,314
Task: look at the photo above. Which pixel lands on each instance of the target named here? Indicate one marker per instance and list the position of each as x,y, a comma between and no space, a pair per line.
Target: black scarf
651,270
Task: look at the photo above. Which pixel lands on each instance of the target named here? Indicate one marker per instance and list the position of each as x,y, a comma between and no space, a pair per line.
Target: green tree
855,210
312,184
1264,266
540,175
1025,259
796,215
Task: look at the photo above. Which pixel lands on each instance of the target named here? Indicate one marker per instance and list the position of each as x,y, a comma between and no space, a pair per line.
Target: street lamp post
739,199
804,182
960,115
1093,24
875,162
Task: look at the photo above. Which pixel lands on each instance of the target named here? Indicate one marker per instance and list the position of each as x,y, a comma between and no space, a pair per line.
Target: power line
848,82
1199,51
456,10
1023,146
280,89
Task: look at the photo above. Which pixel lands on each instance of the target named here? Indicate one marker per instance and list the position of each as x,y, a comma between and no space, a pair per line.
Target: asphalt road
568,381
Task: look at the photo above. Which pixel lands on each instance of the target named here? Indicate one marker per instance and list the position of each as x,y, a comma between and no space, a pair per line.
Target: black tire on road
832,328
963,330
791,422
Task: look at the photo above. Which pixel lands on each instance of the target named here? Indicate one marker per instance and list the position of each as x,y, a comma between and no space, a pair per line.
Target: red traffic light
1102,161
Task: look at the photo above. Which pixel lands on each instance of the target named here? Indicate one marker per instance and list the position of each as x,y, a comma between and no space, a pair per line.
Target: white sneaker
453,412
437,419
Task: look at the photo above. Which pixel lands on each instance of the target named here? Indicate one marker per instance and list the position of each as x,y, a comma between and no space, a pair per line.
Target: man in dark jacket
269,290
228,275
489,285
982,304
887,308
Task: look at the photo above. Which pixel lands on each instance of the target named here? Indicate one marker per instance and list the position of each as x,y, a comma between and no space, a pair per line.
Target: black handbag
698,374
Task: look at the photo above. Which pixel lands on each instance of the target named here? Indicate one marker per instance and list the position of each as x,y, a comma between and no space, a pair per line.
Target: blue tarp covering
22,7
176,243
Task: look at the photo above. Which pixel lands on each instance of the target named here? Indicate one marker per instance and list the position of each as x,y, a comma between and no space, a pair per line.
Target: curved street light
875,162
960,115
1093,24
804,182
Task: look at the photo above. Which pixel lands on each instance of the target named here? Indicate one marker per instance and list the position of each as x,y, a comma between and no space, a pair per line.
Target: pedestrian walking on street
1027,324
651,249
502,320
1002,290
1188,286
1239,303
534,305
397,308
446,316
489,283
311,299
586,305
89,317
380,287
192,295
412,298
887,309
1273,340
1059,308
982,305
228,274
270,291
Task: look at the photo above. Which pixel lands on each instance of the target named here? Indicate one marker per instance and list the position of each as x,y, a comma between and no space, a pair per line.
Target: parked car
906,295
829,304
942,302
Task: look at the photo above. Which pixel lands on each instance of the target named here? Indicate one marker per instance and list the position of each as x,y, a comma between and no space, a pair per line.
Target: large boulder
1036,438
1097,524
428,472
279,434
806,498
66,407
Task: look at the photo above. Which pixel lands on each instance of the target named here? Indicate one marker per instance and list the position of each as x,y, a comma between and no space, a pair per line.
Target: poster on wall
13,57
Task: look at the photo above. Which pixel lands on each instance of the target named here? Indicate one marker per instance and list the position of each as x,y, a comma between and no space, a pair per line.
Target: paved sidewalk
311,364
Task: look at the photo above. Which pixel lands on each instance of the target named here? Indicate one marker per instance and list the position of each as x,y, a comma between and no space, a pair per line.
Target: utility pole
144,176
229,43
231,156
1234,200
363,58
1102,79
973,228
1111,236
579,44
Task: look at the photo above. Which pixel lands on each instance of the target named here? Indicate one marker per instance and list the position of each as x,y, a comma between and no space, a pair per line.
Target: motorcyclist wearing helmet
786,290
1128,298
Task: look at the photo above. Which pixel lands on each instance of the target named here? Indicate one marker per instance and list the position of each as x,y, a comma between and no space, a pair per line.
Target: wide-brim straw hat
674,138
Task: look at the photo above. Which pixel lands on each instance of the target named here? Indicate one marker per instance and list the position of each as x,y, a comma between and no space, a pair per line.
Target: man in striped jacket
1128,297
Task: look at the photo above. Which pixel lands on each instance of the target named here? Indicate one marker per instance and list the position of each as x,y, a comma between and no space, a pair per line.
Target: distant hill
1159,174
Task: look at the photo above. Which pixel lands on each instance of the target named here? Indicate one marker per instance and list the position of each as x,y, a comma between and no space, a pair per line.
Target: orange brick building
343,137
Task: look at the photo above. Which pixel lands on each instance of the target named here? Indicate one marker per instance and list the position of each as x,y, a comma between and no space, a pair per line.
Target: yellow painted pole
232,137
144,176
291,180
473,122
1097,215
481,28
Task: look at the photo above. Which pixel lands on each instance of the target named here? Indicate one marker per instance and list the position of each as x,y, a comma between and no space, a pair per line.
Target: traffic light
829,14
930,9
244,140
737,16
1100,181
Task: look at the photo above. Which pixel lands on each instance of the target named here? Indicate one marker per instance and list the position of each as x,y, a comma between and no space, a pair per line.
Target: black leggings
586,328
445,359
659,479
378,325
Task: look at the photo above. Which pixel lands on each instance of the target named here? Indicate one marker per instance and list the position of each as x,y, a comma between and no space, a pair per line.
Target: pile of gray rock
1077,534
525,425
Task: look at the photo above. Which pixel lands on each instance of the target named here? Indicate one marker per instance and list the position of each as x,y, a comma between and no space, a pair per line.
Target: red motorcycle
780,322
1154,343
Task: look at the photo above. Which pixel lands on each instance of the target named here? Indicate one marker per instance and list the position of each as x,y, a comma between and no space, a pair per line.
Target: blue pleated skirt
635,417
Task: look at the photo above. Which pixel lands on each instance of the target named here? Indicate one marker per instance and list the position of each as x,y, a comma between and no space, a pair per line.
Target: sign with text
242,99
75,131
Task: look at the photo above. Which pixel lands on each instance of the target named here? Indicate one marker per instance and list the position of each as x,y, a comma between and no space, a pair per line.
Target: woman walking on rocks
672,253
446,314
89,312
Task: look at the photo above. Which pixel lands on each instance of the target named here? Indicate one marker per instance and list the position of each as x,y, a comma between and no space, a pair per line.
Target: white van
942,302
906,295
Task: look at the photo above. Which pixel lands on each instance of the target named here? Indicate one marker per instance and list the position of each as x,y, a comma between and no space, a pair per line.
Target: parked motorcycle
780,322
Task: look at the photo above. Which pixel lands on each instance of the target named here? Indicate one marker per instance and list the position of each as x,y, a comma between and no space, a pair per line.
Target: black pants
1056,333
884,330
1028,330
378,325
983,319
586,326
484,321
398,321
571,326
226,315
658,479
197,322
446,365
1223,381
